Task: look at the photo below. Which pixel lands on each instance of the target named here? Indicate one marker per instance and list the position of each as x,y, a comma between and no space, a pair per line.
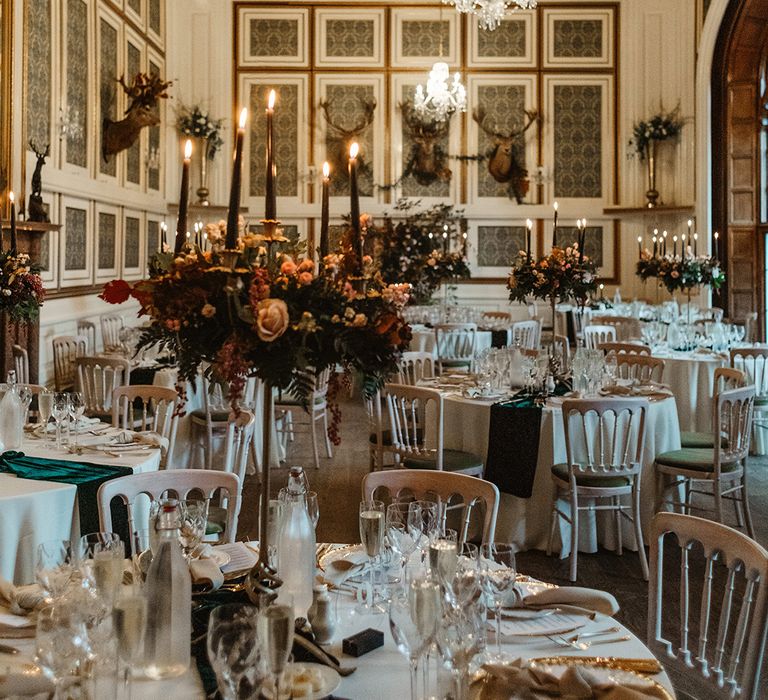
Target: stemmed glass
276,634
76,410
404,528
499,574
443,555
430,522
194,518
129,620
101,559
44,410
371,521
462,587
234,650
458,640
54,567
60,413
413,615
25,396
60,642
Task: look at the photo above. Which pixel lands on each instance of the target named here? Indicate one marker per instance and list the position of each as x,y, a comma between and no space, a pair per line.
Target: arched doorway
739,156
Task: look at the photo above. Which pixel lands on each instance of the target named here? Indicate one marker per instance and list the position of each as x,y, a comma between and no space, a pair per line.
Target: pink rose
306,266
288,267
271,319
305,277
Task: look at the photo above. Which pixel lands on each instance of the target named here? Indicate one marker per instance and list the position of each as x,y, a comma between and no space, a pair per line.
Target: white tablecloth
423,340
526,521
32,512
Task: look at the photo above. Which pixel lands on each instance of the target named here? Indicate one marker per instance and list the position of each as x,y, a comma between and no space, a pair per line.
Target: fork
583,646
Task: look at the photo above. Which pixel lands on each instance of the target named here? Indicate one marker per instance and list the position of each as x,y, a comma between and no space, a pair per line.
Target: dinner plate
329,681
219,558
349,552
543,626
22,679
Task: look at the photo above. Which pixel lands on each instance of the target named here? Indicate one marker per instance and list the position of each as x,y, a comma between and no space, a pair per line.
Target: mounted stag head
427,159
35,209
342,136
143,92
502,163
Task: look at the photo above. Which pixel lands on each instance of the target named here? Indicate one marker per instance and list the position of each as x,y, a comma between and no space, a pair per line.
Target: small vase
652,194
202,191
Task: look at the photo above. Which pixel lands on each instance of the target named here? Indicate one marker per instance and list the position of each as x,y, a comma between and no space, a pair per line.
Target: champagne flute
371,521
44,410
102,556
313,508
234,650
60,412
129,620
76,411
499,575
276,634
443,555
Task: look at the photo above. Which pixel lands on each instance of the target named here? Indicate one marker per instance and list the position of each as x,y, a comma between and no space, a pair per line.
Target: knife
5,649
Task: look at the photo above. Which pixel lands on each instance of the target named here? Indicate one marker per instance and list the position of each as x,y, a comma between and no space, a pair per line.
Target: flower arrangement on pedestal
418,249
680,273
195,122
21,289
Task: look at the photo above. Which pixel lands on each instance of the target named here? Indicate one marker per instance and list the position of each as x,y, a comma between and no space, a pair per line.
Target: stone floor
338,480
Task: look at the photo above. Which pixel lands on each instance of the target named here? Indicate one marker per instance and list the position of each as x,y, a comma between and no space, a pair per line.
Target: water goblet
464,585
194,518
498,575
234,650
459,639
404,528
76,411
54,567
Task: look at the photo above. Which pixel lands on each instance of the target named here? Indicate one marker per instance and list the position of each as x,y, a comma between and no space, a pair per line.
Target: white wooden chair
604,452
640,368
563,348
88,329
210,422
66,349
415,366
316,411
111,325
21,364
455,343
238,443
416,423
750,327
420,484
722,648
724,378
97,378
497,315
627,327
176,483
624,349
379,435
754,363
595,334
144,407
526,334
723,467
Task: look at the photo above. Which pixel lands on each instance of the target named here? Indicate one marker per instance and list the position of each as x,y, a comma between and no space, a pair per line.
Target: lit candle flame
528,224
188,149
11,197
695,236
555,205
717,235
326,170
354,150
243,118
271,100
639,239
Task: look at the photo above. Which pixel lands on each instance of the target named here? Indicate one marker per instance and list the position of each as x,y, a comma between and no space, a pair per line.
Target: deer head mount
427,161
502,162
143,92
35,209
340,136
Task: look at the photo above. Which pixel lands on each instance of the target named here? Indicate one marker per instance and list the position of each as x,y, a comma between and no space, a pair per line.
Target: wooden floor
337,483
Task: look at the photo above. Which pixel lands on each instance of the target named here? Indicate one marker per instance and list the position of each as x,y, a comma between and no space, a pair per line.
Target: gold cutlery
645,666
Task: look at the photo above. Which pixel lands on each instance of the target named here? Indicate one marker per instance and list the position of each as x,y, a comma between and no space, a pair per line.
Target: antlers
368,109
419,128
145,89
479,116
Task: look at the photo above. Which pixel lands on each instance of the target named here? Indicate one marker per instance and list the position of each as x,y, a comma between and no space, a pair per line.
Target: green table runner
86,476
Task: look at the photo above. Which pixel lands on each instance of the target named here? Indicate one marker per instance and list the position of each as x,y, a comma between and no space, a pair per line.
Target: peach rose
305,278
208,311
306,265
288,267
271,319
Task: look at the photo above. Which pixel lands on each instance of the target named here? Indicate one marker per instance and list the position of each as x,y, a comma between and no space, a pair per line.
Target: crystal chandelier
490,12
441,99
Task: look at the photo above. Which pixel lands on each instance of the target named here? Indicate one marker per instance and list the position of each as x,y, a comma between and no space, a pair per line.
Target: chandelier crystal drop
441,99
490,13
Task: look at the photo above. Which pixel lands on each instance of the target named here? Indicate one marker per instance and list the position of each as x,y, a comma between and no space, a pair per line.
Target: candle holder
229,257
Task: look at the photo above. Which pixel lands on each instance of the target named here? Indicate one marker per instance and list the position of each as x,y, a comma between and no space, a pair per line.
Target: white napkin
337,571
21,600
127,437
589,598
204,570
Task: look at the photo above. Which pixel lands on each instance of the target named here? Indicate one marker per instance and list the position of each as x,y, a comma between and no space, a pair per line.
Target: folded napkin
128,437
518,680
204,569
337,571
588,598
21,599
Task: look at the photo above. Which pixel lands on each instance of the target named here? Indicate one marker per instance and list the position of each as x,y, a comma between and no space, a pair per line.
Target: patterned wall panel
497,246
77,81
132,242
578,140
425,37
274,37
504,106
107,84
350,38
410,187
153,237
578,38
155,16
347,109
593,241
75,257
507,40
286,125
135,5
153,141
38,78
133,154
107,233
335,234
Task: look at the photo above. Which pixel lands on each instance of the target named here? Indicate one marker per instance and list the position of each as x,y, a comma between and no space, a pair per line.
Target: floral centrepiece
195,122
660,127
562,275
681,272
21,289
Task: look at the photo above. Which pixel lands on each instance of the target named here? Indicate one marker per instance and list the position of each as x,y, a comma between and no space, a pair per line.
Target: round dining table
34,511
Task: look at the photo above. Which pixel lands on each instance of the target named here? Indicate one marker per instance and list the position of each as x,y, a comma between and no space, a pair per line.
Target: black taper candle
270,204
233,213
325,215
354,197
13,223
181,224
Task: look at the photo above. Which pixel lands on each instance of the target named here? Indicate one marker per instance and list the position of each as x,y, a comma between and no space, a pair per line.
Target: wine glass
76,410
429,523
371,521
458,639
313,508
611,368
234,650
194,517
499,574
413,614
276,634
44,410
25,396
463,586
54,567
101,559
59,644
129,620
404,528
60,413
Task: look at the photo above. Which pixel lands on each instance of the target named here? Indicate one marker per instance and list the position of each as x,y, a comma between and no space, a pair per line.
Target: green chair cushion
456,363
217,520
453,460
693,459
761,400
700,440
593,480
386,437
216,416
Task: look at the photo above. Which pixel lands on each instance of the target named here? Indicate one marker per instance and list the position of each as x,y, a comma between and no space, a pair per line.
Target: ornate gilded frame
6,95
